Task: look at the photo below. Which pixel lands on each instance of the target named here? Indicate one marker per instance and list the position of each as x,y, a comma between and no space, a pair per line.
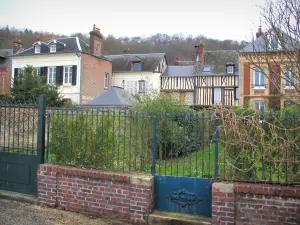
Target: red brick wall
5,79
242,203
247,82
126,196
92,79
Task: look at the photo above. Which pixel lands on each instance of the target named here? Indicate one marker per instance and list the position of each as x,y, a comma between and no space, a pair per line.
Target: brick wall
5,79
92,79
125,196
242,203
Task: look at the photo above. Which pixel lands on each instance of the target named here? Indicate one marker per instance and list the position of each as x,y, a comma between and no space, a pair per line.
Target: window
289,79
274,42
217,96
260,105
142,87
52,48
259,79
206,69
137,66
67,75
106,77
38,71
51,75
37,49
230,69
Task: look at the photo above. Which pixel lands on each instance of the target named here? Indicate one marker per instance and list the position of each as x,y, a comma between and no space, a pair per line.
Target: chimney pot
17,45
259,32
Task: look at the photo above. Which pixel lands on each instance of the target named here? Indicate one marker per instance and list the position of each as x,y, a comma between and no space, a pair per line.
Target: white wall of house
71,59
131,79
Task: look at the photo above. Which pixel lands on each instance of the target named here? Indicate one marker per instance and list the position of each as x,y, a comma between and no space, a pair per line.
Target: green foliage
6,97
29,85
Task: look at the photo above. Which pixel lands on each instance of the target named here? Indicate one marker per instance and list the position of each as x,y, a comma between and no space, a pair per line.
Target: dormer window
37,49
206,69
229,69
137,66
52,48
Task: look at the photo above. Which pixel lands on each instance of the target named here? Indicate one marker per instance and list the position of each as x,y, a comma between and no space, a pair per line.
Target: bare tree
276,52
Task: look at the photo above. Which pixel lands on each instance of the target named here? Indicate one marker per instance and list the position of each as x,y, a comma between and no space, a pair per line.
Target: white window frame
217,96
287,82
52,48
37,49
229,69
51,77
106,80
67,71
142,91
260,74
261,105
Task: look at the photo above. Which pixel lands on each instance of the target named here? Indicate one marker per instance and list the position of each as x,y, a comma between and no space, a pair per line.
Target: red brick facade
242,203
126,196
5,79
247,83
92,80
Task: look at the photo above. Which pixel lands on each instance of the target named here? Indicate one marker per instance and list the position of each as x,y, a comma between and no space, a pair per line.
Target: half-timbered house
212,80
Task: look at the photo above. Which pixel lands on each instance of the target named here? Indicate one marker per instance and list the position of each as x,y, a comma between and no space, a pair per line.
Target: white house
138,73
80,70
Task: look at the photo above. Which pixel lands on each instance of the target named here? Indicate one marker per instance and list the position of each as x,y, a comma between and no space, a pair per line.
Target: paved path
17,213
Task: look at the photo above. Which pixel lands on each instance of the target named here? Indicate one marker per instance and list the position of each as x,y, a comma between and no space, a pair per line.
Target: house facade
5,70
138,73
212,80
80,70
267,76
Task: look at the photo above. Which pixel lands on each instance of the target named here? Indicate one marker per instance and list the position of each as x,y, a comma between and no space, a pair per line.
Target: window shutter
74,75
44,74
41,71
16,70
263,77
61,75
57,77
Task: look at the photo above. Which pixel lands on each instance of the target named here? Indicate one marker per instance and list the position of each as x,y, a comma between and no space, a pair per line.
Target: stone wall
125,196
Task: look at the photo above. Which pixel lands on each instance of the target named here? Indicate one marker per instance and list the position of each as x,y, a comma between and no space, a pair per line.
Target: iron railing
18,127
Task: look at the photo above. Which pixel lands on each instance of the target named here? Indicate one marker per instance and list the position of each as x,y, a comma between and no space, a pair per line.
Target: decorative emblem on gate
183,198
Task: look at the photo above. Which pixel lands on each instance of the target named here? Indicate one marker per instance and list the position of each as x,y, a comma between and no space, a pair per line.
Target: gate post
41,129
217,148
154,147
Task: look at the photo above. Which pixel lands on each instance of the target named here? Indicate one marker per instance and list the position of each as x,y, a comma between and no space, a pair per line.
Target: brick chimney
96,41
200,51
259,32
17,45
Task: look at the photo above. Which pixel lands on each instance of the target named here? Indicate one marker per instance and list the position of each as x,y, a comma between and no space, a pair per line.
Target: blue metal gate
185,159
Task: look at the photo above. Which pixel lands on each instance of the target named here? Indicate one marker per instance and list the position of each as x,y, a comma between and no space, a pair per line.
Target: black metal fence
235,147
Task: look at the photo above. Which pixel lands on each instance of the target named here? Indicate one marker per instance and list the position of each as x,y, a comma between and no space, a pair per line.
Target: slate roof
261,44
113,97
71,46
179,71
217,61
122,63
4,57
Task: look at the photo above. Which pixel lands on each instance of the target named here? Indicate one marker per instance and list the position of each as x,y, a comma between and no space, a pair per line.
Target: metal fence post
41,129
217,148
154,147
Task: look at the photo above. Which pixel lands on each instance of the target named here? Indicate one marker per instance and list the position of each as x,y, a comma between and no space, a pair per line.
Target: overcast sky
219,19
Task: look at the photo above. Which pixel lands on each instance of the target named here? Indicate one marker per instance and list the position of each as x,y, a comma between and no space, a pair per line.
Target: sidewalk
17,213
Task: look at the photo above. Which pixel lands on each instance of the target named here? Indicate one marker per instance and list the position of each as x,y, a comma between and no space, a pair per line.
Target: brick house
266,76
5,70
80,70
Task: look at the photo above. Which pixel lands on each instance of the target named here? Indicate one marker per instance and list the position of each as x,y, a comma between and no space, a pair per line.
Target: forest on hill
176,45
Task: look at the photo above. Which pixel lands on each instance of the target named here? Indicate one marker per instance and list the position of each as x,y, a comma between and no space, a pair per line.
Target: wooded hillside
175,45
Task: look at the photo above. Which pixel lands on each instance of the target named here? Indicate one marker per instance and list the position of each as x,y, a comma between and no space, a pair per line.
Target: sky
218,19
